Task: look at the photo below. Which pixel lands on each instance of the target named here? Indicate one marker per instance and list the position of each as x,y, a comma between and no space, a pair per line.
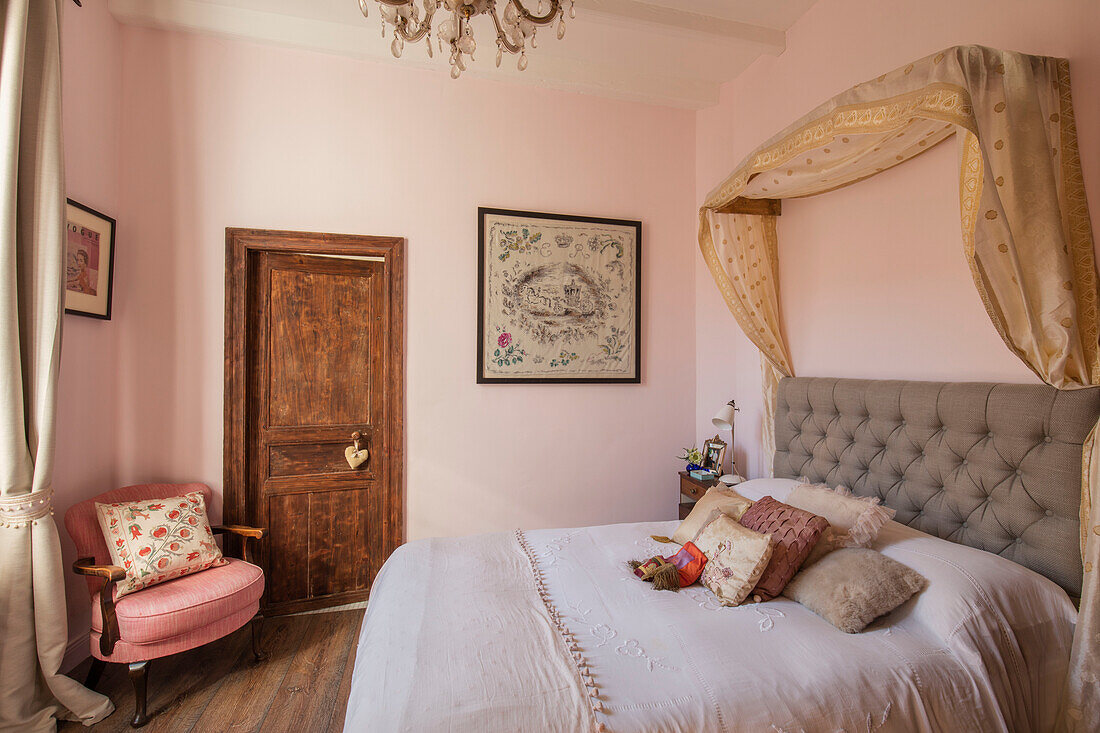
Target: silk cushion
158,539
794,533
736,558
853,586
727,501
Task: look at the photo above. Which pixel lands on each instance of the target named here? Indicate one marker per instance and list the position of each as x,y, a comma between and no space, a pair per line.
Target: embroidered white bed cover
456,638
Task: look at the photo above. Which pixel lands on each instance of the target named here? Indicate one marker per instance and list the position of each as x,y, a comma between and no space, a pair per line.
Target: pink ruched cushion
794,533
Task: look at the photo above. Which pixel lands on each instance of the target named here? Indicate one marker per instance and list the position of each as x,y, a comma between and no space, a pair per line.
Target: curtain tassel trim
568,638
27,509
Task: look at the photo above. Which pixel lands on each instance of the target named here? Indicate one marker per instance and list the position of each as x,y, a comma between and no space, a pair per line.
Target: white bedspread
983,648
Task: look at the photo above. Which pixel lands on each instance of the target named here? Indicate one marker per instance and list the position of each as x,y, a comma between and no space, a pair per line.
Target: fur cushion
728,501
853,586
794,533
736,558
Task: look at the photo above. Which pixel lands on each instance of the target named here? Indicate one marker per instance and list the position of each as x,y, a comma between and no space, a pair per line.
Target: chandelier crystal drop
515,26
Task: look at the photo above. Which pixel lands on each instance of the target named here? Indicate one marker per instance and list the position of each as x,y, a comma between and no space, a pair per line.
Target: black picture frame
636,377
106,314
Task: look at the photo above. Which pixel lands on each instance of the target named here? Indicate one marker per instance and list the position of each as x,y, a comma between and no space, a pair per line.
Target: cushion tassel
667,578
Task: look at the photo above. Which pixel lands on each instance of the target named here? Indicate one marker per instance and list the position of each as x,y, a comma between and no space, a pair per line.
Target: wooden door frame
239,245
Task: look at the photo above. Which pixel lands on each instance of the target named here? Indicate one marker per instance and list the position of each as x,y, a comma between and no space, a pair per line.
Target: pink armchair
167,618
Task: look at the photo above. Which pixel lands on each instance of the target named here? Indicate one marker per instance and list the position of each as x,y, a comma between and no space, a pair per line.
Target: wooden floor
302,686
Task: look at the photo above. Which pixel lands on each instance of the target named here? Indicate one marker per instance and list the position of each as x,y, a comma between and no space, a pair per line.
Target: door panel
287,549
338,566
318,353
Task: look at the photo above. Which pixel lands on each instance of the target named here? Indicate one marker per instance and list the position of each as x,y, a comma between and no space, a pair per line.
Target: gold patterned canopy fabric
1025,229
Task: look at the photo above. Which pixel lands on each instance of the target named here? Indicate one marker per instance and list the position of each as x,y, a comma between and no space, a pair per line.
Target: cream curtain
1025,224
744,261
33,630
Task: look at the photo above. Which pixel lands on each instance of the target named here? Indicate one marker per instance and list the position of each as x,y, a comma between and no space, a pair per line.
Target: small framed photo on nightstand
714,454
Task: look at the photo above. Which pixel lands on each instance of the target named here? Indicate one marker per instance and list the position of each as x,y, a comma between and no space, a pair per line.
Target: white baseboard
76,652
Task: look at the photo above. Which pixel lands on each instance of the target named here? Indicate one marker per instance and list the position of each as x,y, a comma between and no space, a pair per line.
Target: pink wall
88,393
219,133
873,279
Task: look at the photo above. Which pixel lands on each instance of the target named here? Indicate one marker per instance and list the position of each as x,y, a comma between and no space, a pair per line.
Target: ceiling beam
685,23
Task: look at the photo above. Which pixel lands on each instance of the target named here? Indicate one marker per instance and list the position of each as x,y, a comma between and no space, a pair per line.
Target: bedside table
692,489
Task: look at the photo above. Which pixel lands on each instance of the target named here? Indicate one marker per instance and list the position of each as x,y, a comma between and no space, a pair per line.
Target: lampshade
724,419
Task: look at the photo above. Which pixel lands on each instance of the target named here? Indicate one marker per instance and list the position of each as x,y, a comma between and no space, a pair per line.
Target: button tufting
966,525
1019,472
989,435
966,461
1019,540
1047,439
1049,513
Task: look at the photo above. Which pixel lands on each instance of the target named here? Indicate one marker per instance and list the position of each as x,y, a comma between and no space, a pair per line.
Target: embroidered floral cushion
736,558
158,539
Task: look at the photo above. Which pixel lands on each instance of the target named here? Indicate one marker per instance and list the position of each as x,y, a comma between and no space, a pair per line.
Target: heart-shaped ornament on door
356,457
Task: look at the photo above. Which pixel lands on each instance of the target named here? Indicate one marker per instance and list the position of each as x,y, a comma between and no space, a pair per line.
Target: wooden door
314,330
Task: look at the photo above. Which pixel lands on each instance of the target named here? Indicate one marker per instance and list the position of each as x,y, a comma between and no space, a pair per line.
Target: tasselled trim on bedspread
567,637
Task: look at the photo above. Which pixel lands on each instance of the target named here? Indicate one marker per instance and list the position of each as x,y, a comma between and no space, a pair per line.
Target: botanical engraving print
558,297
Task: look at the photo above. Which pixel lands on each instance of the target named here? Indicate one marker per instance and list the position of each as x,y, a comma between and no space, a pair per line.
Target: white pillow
758,488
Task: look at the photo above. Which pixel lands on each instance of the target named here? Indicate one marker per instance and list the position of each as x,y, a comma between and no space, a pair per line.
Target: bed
549,631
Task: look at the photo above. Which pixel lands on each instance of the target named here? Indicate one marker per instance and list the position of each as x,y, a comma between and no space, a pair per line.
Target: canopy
1025,229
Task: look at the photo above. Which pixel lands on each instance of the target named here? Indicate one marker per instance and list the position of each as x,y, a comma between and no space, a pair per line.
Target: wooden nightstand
692,489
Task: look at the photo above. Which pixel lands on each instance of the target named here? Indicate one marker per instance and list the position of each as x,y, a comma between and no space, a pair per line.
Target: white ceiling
670,52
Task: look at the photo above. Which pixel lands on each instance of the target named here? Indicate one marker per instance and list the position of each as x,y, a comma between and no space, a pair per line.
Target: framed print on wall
558,298
89,261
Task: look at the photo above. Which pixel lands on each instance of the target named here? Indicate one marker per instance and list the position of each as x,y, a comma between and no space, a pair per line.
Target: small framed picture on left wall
89,261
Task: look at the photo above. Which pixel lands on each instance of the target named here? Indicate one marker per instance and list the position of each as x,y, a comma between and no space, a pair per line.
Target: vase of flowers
694,458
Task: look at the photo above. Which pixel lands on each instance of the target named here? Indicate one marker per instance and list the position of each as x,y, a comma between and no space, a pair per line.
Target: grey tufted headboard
993,466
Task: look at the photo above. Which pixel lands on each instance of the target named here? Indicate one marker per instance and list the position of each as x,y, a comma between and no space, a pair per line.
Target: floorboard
302,685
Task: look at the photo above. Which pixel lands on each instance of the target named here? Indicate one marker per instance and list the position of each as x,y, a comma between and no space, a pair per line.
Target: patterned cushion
736,558
794,533
158,539
726,500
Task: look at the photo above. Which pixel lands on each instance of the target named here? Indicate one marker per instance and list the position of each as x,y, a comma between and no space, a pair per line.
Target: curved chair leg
139,675
257,634
95,673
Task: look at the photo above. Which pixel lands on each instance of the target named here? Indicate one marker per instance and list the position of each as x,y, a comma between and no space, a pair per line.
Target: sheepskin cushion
854,521
853,586
736,558
794,533
728,501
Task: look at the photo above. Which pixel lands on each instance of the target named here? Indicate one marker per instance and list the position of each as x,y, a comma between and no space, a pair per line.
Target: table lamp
724,421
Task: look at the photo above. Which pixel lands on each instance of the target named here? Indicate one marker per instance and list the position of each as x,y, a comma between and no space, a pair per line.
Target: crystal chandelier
515,27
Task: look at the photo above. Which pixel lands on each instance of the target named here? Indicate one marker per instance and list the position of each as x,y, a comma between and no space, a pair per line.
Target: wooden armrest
255,533
247,533
86,566
111,574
